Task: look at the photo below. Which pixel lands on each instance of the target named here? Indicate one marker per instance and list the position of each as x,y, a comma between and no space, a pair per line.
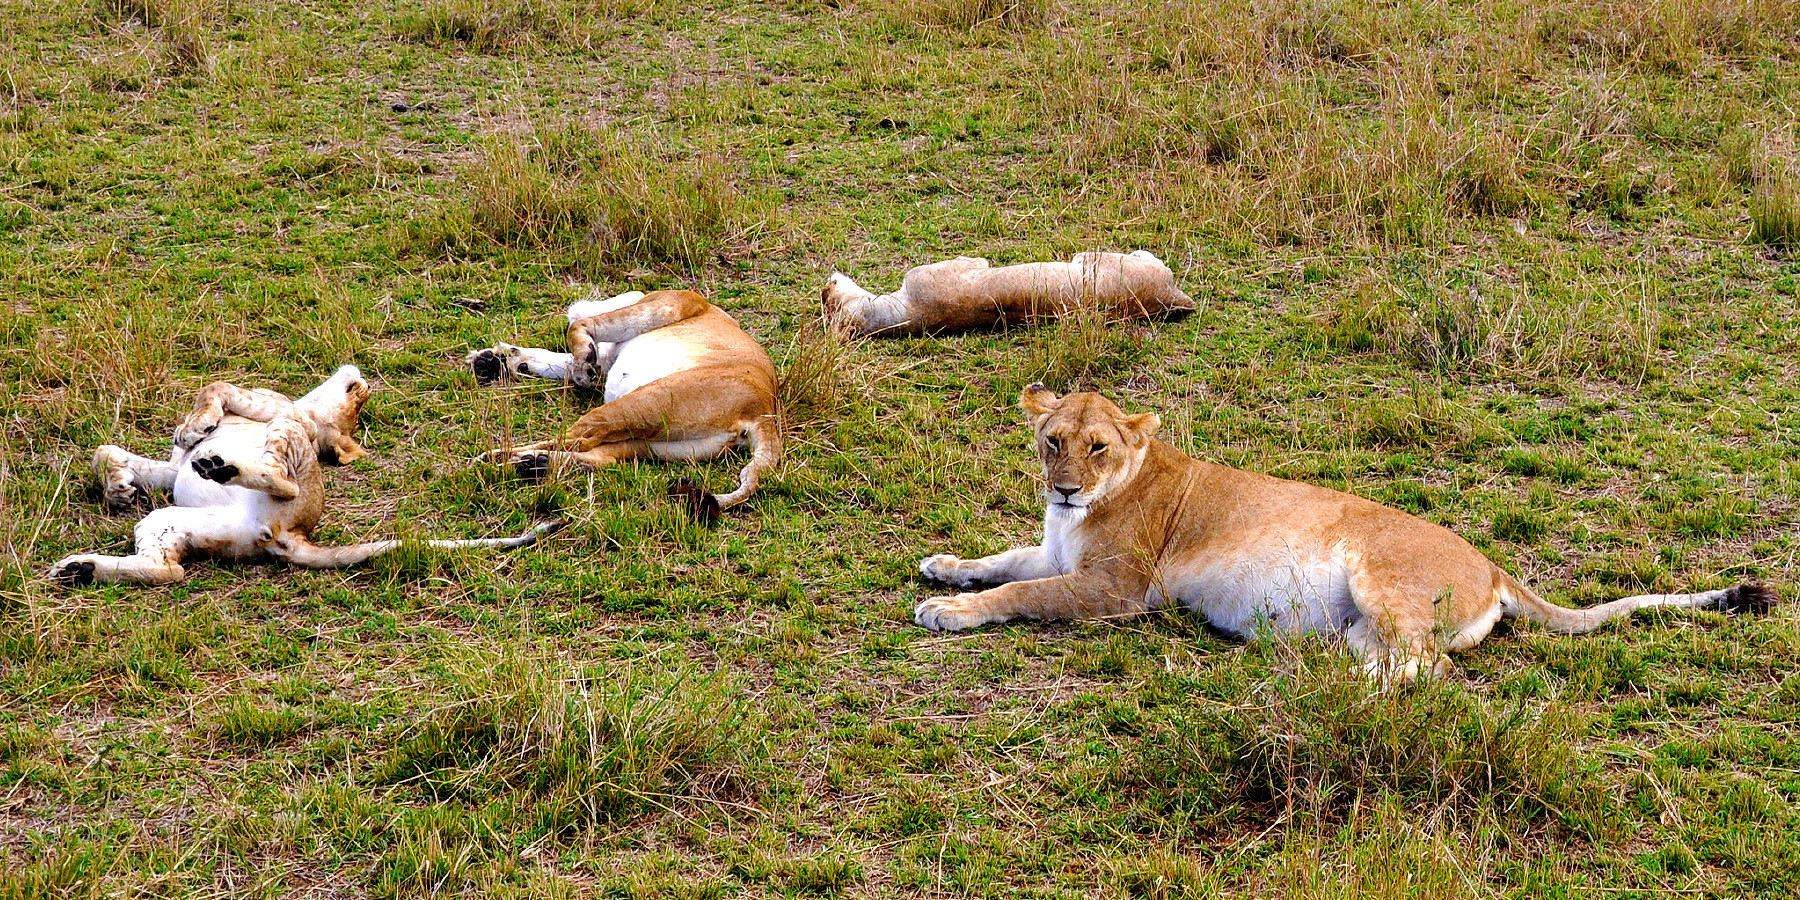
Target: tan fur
247,484
966,293
1132,524
720,394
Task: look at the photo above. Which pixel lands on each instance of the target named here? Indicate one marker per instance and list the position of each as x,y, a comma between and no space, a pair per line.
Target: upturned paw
75,571
489,366
948,614
124,495
195,429
532,467
215,468
944,569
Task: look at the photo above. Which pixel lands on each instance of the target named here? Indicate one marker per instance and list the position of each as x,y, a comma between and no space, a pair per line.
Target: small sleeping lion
966,293
246,479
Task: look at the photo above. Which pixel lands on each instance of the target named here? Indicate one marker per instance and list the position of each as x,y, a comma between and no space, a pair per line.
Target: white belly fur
646,358
1279,593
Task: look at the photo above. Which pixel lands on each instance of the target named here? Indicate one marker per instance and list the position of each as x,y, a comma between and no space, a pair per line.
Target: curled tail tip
1747,598
701,504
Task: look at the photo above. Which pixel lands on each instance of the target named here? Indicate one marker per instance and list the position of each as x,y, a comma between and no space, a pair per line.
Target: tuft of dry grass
595,199
965,15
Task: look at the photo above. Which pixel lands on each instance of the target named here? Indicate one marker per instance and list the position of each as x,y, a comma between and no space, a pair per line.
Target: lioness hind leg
1394,647
125,477
160,541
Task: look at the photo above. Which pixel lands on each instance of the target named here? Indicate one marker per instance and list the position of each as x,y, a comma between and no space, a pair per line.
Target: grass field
1527,269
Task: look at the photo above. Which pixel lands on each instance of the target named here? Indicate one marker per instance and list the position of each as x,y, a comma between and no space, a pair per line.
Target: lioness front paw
948,614
196,428
215,468
943,568
489,365
76,571
124,494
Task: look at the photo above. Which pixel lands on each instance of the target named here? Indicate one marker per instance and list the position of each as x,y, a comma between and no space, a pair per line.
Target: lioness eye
1095,450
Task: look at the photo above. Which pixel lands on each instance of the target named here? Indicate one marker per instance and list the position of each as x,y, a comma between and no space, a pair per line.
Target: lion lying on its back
247,484
1133,524
966,293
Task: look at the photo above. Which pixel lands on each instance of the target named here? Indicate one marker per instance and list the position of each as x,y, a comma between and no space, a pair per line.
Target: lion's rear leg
1397,637
125,477
161,540
285,463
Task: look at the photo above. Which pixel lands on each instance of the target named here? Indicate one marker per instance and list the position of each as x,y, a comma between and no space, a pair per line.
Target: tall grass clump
581,748
964,15
1084,348
821,377
592,200
181,25
1314,740
492,26
1775,211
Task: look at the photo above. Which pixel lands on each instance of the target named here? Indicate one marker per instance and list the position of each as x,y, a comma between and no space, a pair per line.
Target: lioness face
1088,446
336,408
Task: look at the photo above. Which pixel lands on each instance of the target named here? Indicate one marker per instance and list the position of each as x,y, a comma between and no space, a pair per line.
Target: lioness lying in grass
682,381
246,479
1133,524
966,293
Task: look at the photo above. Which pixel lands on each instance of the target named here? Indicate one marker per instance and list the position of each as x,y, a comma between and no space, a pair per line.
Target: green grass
1524,269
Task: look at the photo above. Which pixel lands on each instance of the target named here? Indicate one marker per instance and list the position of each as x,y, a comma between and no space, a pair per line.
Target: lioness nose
1067,490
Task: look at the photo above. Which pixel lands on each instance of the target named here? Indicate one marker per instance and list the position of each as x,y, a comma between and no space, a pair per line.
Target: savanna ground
1524,268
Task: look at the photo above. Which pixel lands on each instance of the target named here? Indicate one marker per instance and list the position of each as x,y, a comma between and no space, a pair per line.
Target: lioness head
335,408
1089,447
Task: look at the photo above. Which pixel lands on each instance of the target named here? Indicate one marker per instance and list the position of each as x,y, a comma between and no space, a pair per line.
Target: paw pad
533,468
487,366
75,574
215,468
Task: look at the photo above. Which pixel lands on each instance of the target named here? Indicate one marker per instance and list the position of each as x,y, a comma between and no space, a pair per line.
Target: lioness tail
303,552
1518,601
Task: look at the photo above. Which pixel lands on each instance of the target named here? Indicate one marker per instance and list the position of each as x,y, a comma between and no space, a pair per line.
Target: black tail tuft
701,504
1748,597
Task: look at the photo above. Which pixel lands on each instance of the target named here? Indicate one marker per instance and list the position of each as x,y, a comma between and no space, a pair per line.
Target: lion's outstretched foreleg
1092,592
126,478
1022,564
505,361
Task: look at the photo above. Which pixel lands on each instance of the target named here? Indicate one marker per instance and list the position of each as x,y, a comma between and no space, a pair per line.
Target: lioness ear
1144,425
1039,401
